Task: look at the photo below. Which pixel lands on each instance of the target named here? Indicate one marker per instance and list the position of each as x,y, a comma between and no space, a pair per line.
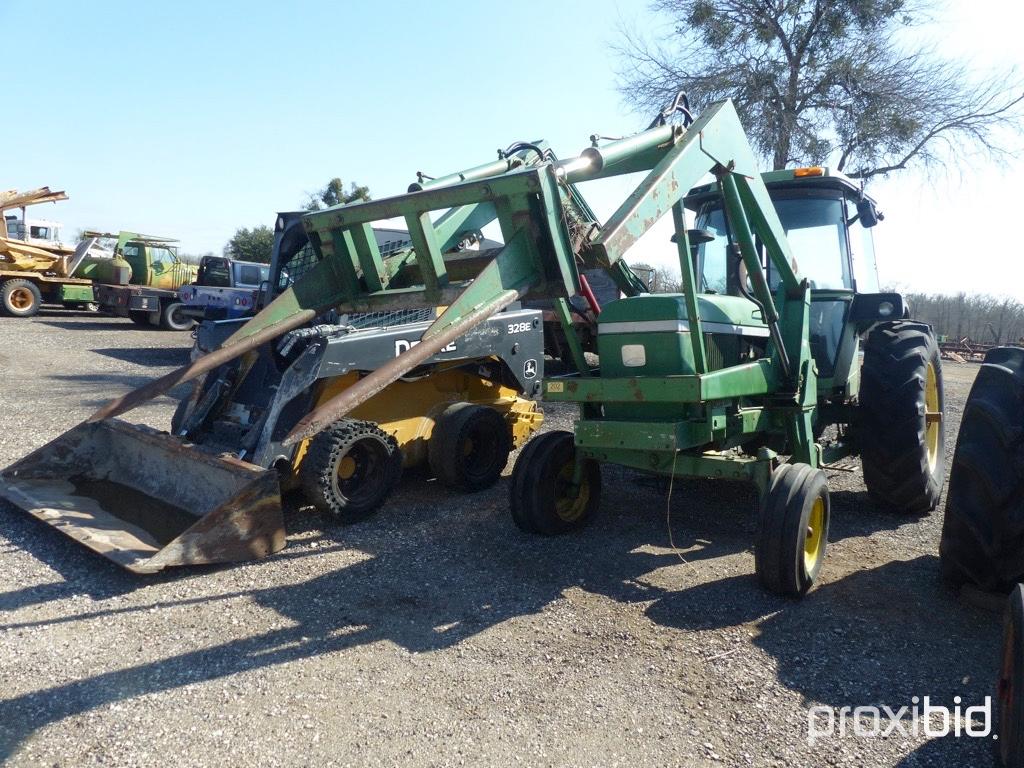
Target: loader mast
546,239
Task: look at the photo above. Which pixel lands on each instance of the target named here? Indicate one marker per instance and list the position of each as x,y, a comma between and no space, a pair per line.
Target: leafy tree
821,81
334,193
254,244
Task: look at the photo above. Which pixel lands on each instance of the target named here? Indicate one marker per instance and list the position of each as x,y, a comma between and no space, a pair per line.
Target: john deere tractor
753,373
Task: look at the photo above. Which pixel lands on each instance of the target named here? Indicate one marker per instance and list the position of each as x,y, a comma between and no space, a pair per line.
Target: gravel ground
436,633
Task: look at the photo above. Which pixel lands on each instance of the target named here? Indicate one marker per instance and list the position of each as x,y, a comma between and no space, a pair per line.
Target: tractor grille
722,350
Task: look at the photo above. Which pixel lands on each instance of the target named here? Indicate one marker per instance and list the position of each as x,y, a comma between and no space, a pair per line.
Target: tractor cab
827,219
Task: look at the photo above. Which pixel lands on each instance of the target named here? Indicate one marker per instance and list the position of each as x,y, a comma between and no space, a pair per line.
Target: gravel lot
436,633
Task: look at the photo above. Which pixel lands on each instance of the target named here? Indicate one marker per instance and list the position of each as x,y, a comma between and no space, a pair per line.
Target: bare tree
820,81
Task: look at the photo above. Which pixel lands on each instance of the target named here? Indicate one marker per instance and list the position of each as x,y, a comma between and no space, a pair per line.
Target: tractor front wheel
793,533
983,531
543,497
900,430
469,447
20,298
350,469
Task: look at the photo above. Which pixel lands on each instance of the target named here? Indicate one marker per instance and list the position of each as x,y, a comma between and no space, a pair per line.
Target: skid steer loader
212,493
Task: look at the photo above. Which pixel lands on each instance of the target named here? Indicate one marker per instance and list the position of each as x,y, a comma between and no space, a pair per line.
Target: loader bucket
146,500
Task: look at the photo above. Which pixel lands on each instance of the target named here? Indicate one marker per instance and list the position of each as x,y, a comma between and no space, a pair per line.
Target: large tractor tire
171,318
1010,689
20,298
900,428
469,447
793,532
542,496
350,469
983,531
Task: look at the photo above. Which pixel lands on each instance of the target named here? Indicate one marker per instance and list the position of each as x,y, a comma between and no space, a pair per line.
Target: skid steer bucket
146,500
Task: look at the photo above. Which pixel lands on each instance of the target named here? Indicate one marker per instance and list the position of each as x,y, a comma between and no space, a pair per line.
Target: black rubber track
489,435
383,467
983,531
891,427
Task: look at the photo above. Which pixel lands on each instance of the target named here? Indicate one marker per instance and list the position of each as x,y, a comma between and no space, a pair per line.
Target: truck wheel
542,496
139,318
983,531
350,469
469,447
792,535
1010,689
20,298
172,319
900,430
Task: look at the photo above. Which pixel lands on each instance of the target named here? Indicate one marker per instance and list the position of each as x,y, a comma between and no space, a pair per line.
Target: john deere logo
530,368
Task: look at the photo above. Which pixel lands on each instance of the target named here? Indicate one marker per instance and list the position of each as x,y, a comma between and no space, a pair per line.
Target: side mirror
876,307
696,237
868,214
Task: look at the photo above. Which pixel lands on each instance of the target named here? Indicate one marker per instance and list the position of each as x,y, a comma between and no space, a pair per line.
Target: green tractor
753,373
723,397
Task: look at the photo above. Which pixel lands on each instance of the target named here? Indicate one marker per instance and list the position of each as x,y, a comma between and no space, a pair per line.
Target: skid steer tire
541,496
1009,747
792,534
20,298
350,469
171,318
983,531
902,452
469,447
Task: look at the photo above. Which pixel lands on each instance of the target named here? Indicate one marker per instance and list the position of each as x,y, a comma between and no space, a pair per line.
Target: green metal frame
549,234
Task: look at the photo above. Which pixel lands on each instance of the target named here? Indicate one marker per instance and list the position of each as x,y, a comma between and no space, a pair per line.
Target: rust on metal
126,493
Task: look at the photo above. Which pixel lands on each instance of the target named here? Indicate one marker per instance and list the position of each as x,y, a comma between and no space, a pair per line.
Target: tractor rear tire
792,535
20,298
469,447
1010,689
983,531
171,318
902,448
542,497
350,469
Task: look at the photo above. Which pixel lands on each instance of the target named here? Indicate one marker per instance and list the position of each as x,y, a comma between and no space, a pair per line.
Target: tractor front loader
736,381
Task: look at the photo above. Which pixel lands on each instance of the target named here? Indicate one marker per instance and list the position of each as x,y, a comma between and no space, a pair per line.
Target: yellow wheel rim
346,467
21,298
933,415
570,508
814,539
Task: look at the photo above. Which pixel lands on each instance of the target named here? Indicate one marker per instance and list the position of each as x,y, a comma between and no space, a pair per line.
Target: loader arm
545,238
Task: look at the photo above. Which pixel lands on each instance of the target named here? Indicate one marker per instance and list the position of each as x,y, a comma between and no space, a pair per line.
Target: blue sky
191,119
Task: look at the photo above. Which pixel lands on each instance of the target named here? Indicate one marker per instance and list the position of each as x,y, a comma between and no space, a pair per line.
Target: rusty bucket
146,500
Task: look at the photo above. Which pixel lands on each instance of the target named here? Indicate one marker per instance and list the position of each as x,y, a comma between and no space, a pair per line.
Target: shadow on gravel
100,324
877,636
855,515
439,571
154,356
434,577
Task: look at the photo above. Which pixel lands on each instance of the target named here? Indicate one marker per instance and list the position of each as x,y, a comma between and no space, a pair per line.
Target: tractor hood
666,313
